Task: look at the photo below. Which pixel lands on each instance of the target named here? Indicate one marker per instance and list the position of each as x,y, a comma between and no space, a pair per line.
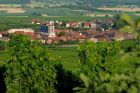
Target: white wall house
26,30
0,35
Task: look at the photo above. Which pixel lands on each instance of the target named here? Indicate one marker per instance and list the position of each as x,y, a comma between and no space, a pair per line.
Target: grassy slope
69,56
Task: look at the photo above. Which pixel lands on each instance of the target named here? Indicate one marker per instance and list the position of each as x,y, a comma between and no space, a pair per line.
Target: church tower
51,28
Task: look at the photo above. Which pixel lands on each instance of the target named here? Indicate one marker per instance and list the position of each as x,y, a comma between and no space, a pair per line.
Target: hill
110,2
14,1
75,2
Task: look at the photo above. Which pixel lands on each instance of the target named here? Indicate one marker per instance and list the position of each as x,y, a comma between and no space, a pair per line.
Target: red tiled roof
3,32
87,23
36,20
45,23
74,23
24,33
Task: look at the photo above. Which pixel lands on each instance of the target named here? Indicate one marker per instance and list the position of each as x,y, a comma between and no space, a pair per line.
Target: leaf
85,79
133,89
128,20
129,29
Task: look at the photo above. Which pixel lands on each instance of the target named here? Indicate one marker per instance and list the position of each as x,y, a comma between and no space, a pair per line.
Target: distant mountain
14,1
93,2
90,2
111,2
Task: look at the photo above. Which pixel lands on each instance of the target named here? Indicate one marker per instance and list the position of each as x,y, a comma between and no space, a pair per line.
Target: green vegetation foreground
106,67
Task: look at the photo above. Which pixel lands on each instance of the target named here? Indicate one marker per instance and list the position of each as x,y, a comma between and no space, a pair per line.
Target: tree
30,68
130,25
103,72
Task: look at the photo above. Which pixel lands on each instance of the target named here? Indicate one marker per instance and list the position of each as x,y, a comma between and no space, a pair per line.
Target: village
55,32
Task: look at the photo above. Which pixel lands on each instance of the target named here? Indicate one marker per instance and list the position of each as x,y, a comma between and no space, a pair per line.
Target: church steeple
51,32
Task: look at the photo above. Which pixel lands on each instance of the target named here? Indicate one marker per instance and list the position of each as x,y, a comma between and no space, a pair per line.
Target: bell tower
51,28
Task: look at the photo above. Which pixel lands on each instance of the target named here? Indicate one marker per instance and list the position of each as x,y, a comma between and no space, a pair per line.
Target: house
36,21
3,37
24,30
129,36
93,40
100,38
24,33
119,36
104,39
0,35
53,40
67,24
73,24
87,35
96,37
45,23
90,25
109,34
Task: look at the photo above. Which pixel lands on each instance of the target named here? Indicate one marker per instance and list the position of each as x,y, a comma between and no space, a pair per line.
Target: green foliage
2,83
130,25
100,53
68,54
129,46
104,72
66,80
2,45
30,69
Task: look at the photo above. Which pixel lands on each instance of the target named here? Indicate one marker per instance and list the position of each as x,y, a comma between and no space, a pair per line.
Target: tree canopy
30,69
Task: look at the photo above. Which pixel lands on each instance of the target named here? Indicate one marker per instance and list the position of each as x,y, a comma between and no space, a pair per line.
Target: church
47,29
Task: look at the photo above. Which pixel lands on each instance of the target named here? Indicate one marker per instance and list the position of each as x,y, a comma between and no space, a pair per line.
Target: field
13,10
69,56
55,13
121,9
52,11
39,11
99,15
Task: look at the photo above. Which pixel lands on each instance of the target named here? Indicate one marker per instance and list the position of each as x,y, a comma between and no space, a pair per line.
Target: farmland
125,9
66,11
69,56
12,10
39,11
